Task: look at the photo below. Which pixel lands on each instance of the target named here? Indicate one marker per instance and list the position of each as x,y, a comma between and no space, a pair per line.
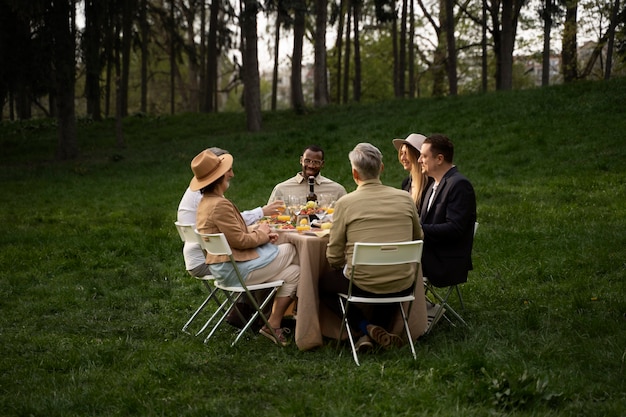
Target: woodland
98,59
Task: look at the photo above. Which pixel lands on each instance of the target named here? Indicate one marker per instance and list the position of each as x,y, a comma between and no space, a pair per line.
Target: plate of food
280,222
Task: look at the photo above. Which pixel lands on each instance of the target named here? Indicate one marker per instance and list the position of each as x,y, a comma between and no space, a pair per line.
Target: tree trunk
93,63
451,47
145,30
320,79
411,50
356,84
62,18
127,37
506,46
297,97
439,56
483,61
569,53
346,58
547,27
172,56
251,81
609,52
395,52
212,59
276,58
402,52
339,47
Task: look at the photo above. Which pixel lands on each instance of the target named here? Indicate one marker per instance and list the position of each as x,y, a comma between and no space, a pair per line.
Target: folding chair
395,253
443,300
216,244
188,235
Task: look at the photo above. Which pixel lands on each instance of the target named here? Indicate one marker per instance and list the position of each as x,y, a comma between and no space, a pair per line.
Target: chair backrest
387,253
215,243
187,232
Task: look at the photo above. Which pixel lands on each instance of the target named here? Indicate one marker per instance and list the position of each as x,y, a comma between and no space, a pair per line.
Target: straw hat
207,167
414,139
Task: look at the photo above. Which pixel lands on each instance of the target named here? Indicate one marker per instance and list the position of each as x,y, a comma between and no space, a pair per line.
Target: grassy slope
93,292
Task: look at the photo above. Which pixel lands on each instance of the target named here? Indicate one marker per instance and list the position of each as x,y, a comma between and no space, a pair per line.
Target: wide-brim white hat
414,139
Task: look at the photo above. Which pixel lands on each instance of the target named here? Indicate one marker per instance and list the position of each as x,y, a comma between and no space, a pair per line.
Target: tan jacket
374,213
217,214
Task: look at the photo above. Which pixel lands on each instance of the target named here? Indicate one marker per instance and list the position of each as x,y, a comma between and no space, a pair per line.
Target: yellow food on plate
326,226
304,221
283,217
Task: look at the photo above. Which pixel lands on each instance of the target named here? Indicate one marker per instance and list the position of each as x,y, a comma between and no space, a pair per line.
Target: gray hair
217,151
367,160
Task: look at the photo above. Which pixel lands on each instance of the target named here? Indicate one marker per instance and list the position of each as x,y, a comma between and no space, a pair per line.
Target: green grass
93,291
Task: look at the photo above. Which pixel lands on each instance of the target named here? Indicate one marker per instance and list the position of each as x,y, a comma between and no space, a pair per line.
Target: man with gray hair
372,213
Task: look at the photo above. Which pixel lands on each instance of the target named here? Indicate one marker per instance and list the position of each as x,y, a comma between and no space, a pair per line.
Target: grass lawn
93,291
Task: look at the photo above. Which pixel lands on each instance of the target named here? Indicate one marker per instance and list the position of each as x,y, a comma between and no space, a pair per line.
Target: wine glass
281,208
295,202
326,205
302,223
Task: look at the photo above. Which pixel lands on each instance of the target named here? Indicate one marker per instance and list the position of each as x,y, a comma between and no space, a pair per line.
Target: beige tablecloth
314,321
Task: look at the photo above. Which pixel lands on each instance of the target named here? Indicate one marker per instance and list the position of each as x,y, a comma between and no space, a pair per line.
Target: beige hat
207,167
414,139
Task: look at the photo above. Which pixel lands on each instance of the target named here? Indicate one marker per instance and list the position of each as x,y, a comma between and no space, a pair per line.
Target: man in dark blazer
448,215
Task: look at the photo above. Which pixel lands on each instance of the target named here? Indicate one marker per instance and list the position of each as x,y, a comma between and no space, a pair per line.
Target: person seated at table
312,162
187,208
448,215
408,155
258,258
372,213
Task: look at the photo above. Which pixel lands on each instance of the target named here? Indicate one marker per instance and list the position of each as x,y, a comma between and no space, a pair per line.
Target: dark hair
314,148
209,188
440,144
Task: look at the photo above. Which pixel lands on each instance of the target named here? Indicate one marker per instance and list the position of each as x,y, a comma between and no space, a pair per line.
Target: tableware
303,223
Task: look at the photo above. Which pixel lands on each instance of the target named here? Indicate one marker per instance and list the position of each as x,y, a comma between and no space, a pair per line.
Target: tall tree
348,44
356,82
569,54
91,46
402,51
128,17
546,15
449,25
611,40
212,58
251,80
61,20
144,28
507,42
299,21
320,69
341,11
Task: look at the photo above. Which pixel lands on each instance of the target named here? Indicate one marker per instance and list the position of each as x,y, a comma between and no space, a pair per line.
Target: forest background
111,58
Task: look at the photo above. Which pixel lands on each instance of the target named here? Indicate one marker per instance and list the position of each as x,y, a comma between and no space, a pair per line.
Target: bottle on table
311,196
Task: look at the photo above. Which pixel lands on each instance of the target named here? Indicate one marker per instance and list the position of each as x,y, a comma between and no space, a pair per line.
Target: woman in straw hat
408,155
258,258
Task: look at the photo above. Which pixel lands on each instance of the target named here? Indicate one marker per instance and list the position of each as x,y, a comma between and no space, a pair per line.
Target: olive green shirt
374,213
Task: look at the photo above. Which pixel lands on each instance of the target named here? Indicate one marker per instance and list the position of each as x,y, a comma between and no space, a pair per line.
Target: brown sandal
278,337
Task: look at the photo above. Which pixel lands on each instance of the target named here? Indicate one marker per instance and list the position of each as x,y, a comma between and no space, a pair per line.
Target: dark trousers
333,282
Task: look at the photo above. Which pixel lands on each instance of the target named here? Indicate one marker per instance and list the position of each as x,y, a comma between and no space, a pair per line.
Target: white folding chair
216,244
394,253
188,235
443,301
